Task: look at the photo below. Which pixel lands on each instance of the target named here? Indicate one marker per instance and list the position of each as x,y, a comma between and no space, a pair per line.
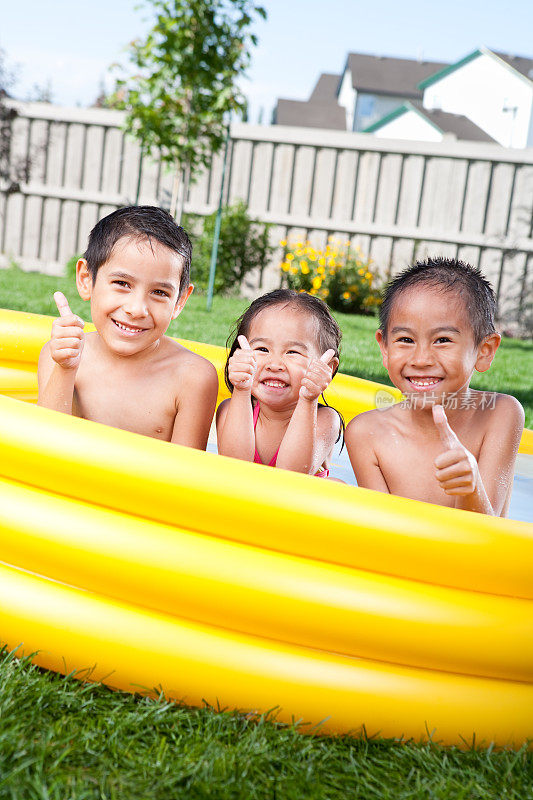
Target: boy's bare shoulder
367,423
500,410
199,369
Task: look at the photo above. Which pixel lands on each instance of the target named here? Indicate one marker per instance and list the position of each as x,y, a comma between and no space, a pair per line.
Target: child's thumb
328,355
447,435
243,342
62,304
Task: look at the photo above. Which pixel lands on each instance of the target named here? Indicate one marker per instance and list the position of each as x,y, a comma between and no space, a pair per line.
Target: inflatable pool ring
148,565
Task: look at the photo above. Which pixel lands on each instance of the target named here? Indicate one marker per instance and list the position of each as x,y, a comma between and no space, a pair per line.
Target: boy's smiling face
135,295
430,347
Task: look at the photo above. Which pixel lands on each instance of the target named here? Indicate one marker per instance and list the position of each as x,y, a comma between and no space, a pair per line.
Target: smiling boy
445,443
128,374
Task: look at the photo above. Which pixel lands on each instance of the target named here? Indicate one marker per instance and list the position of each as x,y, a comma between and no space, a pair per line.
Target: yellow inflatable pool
149,566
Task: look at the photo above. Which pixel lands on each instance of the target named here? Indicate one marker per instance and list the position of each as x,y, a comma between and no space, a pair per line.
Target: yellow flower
285,266
283,243
290,256
322,262
347,243
346,295
331,262
312,291
361,271
294,270
324,292
368,276
316,283
304,268
331,272
303,263
321,271
331,238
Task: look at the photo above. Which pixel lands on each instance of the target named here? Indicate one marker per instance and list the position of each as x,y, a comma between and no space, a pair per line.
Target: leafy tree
13,172
185,81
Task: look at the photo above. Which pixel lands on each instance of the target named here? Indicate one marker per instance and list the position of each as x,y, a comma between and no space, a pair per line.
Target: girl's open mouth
272,383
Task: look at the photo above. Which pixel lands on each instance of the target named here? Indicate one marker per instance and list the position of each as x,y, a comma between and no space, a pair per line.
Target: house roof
521,64
326,88
457,124
390,76
309,115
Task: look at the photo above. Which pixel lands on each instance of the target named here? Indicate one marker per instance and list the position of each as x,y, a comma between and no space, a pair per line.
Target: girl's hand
66,343
318,376
242,366
456,468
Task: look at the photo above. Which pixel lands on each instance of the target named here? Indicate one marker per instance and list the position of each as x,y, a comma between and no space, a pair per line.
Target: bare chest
408,466
141,403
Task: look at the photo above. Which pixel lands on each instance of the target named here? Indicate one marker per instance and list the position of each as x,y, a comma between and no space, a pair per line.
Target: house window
366,104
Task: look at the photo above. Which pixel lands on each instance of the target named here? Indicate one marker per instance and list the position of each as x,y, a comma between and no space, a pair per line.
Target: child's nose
422,354
275,362
135,305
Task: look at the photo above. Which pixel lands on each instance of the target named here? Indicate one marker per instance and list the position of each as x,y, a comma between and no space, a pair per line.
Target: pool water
521,507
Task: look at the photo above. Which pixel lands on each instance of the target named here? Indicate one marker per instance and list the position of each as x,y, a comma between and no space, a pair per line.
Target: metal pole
216,234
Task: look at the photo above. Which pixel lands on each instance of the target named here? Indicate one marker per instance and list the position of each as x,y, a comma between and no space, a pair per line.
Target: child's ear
182,299
487,351
380,339
84,282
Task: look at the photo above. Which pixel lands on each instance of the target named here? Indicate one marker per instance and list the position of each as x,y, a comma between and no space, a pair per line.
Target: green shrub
341,275
243,246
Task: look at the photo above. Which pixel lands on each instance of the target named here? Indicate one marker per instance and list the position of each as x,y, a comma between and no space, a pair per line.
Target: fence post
216,234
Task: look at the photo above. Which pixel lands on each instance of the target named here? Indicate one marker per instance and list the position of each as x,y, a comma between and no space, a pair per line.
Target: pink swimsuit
257,458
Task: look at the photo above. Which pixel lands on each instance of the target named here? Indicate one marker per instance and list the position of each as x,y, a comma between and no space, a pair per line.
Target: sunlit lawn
510,373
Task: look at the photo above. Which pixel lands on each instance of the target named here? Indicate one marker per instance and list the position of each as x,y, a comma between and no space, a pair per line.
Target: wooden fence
396,199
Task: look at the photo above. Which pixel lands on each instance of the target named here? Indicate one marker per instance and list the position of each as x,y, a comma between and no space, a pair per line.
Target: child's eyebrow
128,277
285,344
118,274
442,328
433,331
170,286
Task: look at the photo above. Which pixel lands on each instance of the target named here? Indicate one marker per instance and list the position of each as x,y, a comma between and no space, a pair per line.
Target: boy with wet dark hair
445,443
128,374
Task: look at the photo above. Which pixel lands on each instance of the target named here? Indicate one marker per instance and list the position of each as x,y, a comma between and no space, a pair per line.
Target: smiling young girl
284,353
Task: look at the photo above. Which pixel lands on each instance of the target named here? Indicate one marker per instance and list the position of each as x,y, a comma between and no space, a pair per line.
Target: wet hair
328,333
446,275
138,223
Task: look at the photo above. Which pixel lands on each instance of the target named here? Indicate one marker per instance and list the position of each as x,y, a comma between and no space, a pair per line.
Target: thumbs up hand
318,376
66,343
456,468
242,366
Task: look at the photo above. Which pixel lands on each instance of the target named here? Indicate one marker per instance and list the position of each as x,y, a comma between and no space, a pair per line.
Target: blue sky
72,44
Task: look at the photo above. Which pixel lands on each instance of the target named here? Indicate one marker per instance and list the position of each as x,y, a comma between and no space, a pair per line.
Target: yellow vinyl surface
252,587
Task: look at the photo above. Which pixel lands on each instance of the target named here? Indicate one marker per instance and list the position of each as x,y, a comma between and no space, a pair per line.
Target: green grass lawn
64,740
510,373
